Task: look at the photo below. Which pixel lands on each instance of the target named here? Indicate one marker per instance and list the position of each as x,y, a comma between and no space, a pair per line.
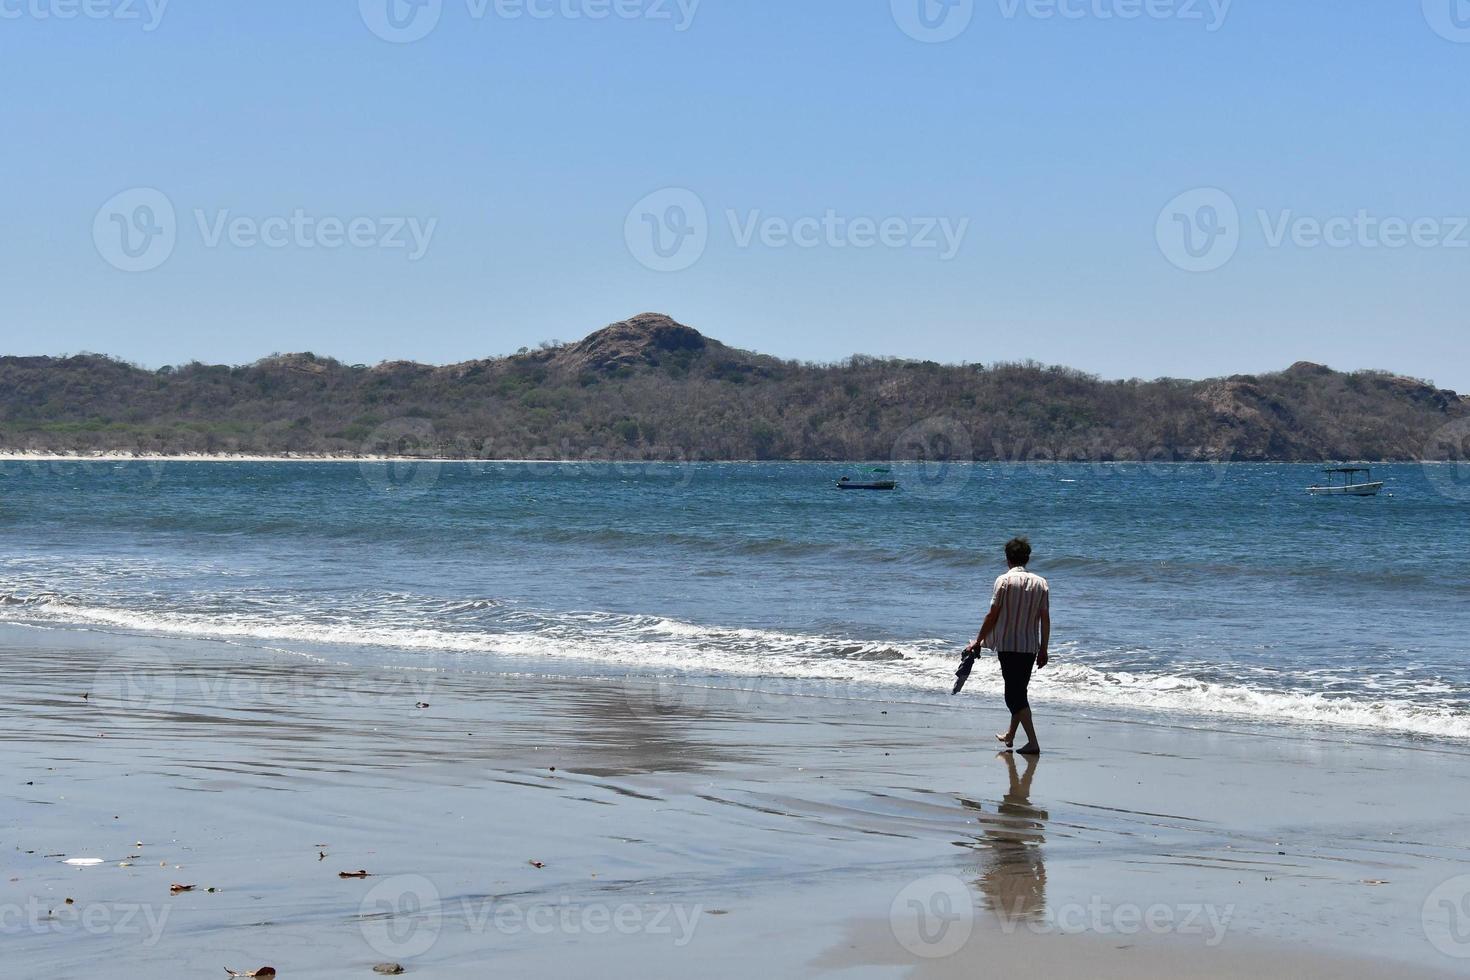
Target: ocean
1182,591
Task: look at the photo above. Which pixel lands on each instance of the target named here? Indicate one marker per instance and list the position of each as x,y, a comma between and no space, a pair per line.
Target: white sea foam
782,662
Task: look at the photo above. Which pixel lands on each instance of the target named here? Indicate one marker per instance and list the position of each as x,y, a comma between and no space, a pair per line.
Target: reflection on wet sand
1012,878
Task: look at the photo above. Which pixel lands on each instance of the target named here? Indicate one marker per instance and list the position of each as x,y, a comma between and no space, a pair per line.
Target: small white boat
1357,481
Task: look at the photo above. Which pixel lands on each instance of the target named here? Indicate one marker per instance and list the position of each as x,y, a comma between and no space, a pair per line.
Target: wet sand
545,827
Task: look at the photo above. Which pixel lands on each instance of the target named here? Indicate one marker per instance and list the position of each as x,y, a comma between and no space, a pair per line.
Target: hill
650,387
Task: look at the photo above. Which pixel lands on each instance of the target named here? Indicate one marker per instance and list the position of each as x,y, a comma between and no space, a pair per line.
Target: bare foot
1030,748
1006,740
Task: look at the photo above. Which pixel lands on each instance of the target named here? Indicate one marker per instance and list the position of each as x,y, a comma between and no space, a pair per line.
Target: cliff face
651,386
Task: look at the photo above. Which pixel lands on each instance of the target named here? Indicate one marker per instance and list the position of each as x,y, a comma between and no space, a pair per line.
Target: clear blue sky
1060,139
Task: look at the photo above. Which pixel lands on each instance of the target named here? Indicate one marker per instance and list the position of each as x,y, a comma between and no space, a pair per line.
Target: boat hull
1352,490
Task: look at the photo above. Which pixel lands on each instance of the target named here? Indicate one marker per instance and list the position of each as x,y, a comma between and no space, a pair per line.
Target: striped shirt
1020,599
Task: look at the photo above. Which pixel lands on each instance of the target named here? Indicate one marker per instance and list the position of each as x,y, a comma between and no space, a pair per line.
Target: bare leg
1032,746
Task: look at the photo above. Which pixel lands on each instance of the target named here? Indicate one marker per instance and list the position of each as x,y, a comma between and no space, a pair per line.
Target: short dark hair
1018,551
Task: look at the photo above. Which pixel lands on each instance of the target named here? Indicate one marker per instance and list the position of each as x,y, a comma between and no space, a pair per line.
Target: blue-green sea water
1192,590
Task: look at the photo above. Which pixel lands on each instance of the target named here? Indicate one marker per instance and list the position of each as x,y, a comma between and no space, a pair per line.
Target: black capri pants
1015,668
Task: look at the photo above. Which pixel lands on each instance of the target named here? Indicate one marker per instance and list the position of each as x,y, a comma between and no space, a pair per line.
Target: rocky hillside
650,387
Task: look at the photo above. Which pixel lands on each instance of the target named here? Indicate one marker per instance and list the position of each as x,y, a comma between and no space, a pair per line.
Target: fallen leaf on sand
263,972
1374,881
391,969
321,855
175,889
353,874
537,864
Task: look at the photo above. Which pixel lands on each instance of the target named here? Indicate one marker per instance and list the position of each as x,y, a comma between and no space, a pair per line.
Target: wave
840,666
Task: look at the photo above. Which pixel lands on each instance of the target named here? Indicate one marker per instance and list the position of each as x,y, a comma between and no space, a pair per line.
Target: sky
1134,188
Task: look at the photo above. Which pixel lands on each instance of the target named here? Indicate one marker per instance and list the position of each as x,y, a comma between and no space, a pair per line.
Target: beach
539,825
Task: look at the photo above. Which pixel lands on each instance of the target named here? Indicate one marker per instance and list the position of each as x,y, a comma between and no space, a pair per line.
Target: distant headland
652,388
